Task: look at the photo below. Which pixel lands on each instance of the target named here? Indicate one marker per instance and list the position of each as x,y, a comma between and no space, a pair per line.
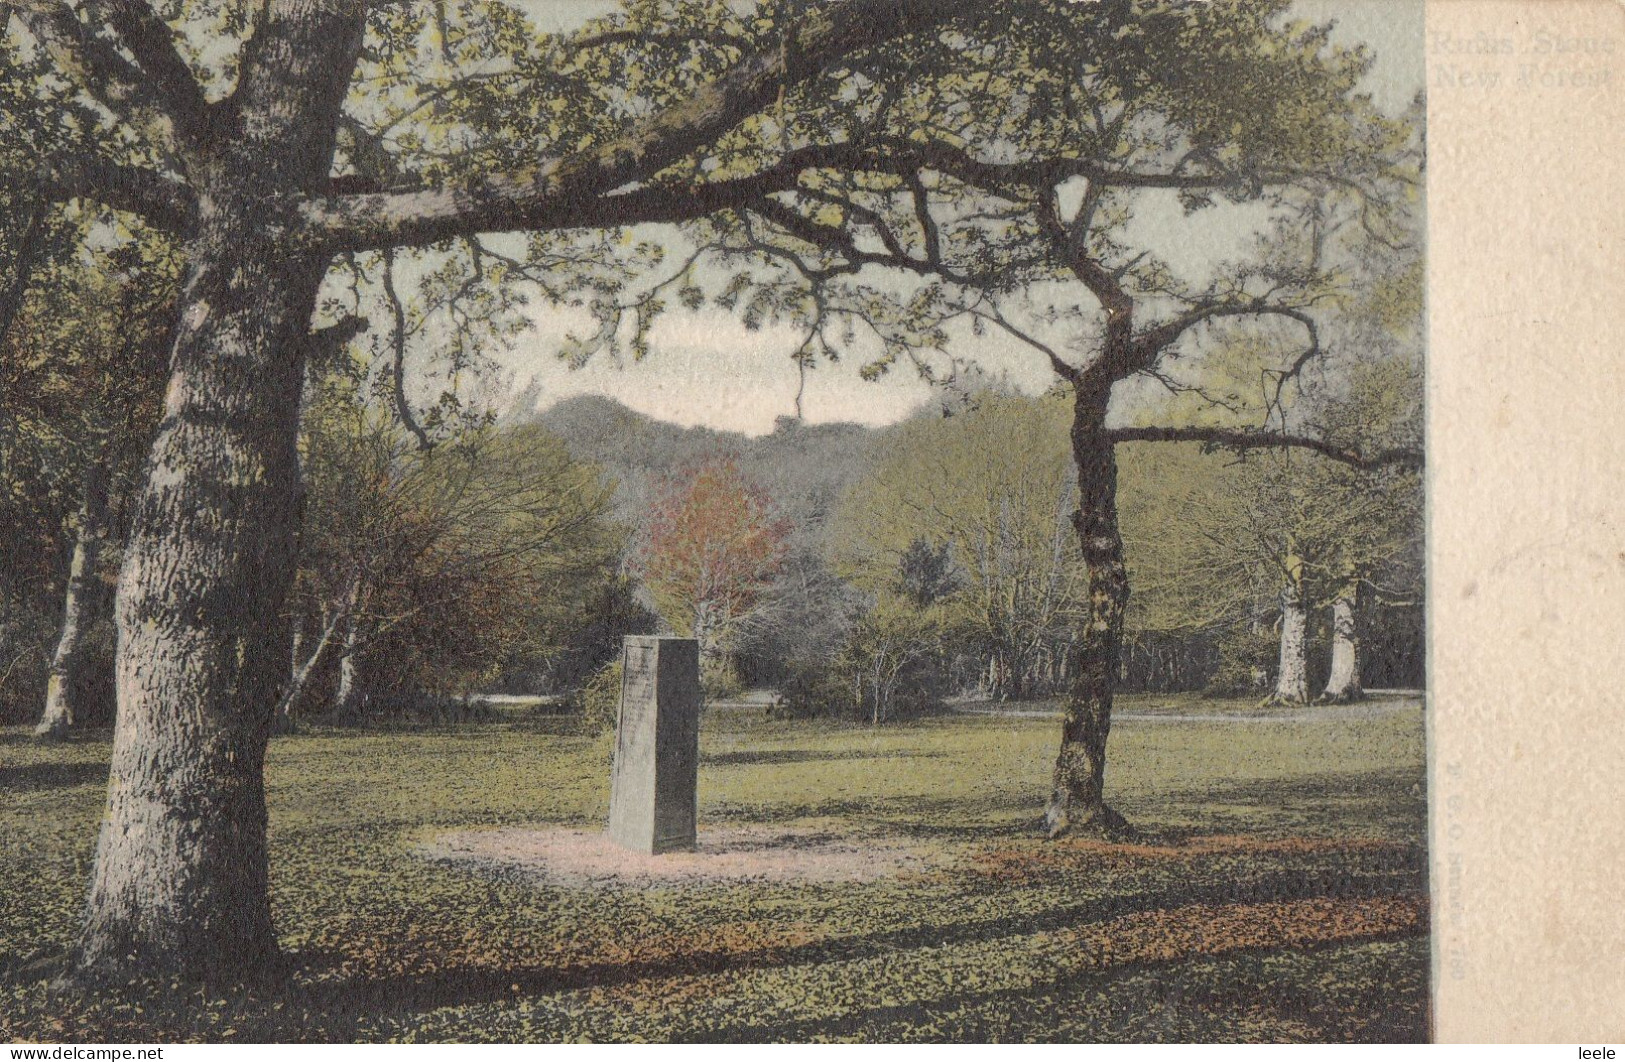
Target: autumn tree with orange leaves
711,551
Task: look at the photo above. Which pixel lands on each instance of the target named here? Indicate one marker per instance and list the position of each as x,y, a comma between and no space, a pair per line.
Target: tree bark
179,888
1077,801
1019,681
180,879
61,691
1344,682
23,256
1292,675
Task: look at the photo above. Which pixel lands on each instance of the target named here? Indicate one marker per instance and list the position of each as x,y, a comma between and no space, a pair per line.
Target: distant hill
803,467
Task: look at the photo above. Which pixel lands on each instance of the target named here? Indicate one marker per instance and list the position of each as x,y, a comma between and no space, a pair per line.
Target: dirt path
725,855
1323,713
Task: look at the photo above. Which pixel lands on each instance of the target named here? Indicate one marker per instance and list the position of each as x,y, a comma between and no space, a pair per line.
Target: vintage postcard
787,521
1526,562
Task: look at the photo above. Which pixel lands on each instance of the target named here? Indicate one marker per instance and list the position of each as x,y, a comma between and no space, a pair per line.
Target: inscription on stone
653,787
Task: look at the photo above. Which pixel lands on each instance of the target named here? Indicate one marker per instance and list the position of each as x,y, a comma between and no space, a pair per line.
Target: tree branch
1159,336
415,218
1069,242
152,43
162,201
86,60
547,194
1063,368
1154,340
398,339
1232,439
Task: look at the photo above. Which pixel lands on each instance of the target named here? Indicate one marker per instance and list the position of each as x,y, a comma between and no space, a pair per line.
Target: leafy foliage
599,699
435,568
711,548
991,491
83,313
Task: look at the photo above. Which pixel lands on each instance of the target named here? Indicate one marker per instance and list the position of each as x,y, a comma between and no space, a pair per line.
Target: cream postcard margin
1526,463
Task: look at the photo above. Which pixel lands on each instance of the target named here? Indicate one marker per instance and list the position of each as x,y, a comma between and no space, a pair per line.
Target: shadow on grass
39,776
1386,802
1391,802
455,987
950,818
769,757
21,735
1375,1020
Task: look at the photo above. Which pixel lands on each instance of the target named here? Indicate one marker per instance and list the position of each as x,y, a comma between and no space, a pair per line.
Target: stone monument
653,789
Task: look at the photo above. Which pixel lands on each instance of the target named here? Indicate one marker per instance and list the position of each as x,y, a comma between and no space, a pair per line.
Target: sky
704,368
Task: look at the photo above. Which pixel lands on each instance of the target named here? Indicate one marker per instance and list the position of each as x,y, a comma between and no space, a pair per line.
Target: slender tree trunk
1344,682
298,674
61,691
299,678
1020,677
334,618
296,654
1292,675
179,888
1077,801
346,697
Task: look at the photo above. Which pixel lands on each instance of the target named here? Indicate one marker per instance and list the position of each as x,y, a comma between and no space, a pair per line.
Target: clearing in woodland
1277,891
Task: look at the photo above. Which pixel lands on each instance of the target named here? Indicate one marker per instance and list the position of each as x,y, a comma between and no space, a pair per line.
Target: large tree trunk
1344,681
1292,674
61,691
179,888
1077,801
180,879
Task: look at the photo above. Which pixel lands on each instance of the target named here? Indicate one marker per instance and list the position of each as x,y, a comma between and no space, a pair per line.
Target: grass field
1278,893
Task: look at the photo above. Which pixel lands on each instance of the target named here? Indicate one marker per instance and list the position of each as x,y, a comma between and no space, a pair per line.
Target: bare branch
930,236
1159,336
1174,387
420,217
1063,368
398,339
1233,439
